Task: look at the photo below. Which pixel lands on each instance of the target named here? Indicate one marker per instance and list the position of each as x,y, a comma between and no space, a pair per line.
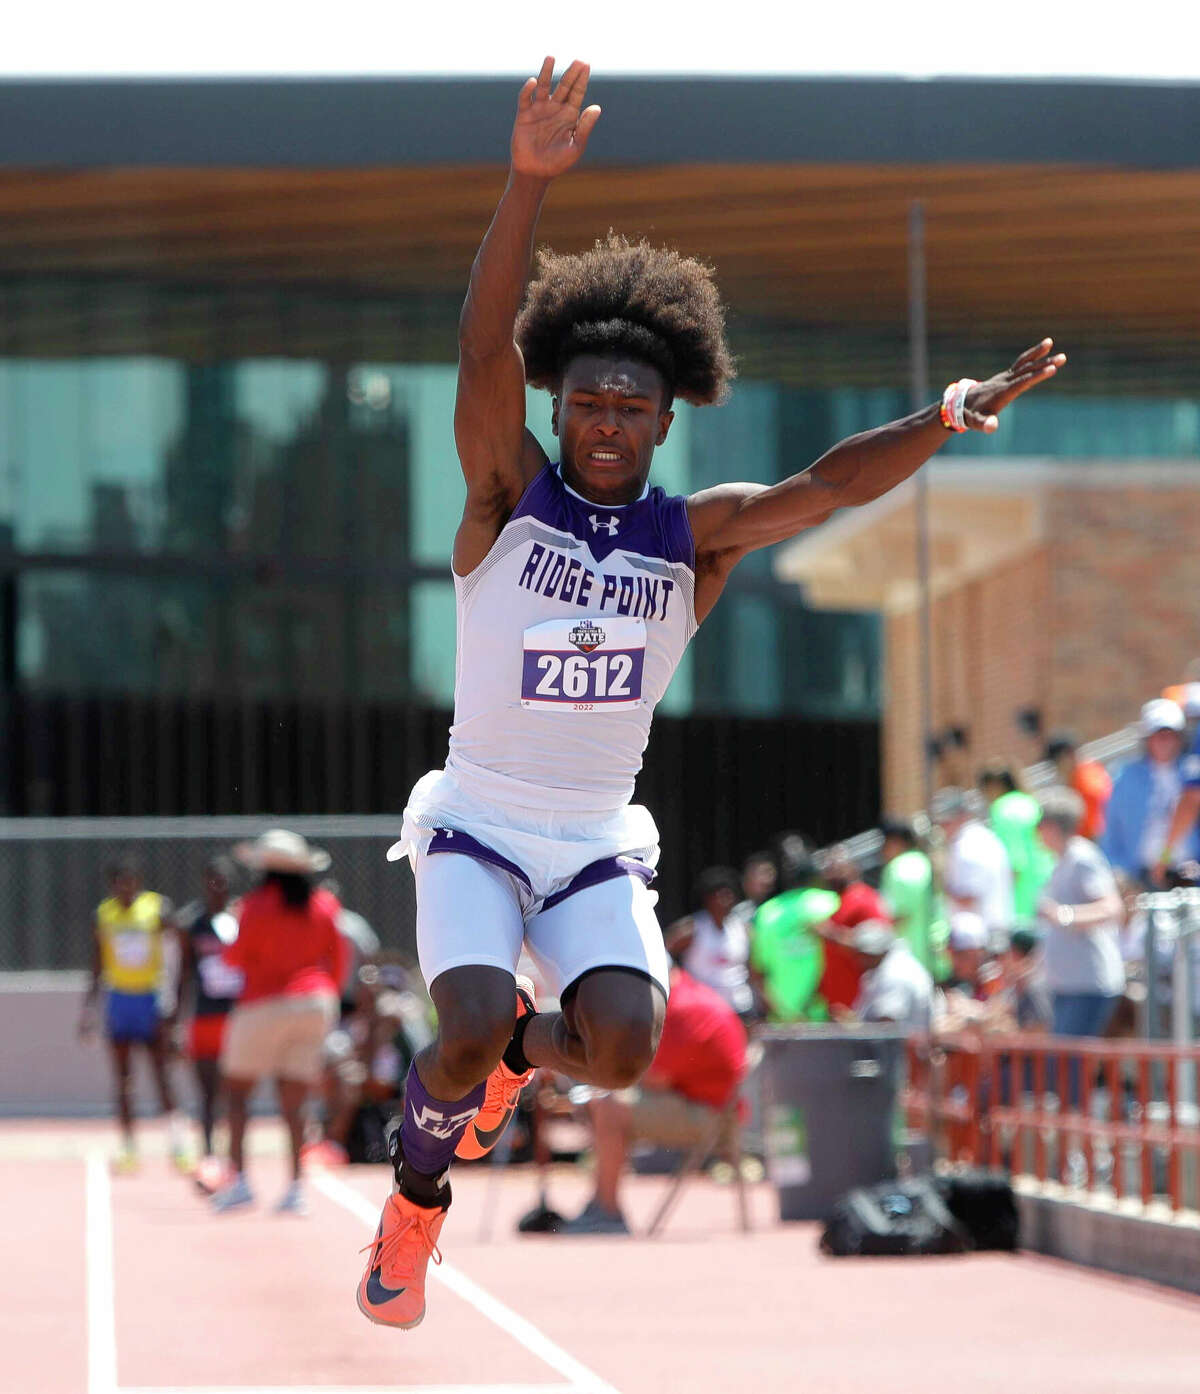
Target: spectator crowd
281,983
1001,911
1007,911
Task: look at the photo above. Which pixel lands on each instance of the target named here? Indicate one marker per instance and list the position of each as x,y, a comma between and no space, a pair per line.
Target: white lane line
583,1380
101,1302
354,1389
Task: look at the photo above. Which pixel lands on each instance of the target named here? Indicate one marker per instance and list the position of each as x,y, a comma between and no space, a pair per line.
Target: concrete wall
45,1070
1159,1248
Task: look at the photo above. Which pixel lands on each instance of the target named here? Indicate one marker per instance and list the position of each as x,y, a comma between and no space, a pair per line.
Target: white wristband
953,401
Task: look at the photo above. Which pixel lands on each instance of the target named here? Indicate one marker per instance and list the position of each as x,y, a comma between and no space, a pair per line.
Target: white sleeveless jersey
569,631
720,956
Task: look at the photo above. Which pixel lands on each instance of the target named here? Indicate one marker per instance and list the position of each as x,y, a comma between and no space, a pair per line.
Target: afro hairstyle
627,299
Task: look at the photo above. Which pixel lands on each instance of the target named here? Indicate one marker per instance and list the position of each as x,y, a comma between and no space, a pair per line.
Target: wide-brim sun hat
280,850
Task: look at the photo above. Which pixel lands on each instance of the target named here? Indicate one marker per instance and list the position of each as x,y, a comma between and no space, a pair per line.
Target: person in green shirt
907,885
786,956
1013,816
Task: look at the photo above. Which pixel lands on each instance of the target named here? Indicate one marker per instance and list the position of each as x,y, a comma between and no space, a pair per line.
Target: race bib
133,948
217,977
584,665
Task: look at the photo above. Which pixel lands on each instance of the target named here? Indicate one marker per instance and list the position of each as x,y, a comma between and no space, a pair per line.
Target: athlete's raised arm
498,455
731,520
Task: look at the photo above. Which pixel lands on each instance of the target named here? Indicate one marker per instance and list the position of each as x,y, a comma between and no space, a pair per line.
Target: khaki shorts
279,1038
667,1119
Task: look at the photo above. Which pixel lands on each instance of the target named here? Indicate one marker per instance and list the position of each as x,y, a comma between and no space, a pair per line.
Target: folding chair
695,1159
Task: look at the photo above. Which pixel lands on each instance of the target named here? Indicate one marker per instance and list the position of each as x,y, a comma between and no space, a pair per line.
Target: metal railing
864,848
1113,1119
1172,964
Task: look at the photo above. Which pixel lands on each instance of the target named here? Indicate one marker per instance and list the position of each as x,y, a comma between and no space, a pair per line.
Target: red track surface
255,1301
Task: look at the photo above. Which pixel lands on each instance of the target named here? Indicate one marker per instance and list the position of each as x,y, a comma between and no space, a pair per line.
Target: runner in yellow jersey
127,961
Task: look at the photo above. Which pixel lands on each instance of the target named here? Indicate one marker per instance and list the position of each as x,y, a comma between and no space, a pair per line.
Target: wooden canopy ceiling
1078,252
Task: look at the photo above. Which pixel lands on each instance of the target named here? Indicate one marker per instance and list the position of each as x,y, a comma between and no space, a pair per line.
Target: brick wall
1084,626
990,649
1126,600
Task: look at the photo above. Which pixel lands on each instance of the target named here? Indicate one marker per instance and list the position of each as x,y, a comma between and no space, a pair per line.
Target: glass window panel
281,423
94,632
831,663
753,661
84,443
1065,426
679,698
286,640
380,485
137,418
427,391
381,625
433,640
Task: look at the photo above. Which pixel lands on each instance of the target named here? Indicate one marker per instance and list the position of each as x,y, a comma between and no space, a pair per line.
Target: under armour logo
611,524
442,1125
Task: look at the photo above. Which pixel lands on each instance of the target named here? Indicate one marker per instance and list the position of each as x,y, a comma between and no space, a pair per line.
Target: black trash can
829,1097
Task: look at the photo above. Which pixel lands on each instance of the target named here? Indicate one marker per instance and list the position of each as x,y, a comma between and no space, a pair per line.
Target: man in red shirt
844,968
292,960
700,1063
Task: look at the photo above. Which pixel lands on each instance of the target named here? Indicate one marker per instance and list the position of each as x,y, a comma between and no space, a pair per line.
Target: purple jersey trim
452,840
677,527
595,873
538,499
656,526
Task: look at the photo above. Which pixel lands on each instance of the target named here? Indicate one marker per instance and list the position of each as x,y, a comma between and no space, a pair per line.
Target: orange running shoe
392,1290
503,1090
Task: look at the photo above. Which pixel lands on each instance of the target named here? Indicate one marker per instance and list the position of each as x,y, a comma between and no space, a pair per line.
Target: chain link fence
53,875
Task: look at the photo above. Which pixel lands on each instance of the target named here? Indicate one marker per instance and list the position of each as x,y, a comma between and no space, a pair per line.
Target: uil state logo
587,636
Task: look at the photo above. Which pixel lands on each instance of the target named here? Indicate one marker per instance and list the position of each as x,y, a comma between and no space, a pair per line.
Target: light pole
918,353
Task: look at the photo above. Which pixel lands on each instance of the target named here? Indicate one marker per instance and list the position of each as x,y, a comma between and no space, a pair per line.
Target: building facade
228,486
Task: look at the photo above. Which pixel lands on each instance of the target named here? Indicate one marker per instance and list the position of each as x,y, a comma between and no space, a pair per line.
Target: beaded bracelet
954,399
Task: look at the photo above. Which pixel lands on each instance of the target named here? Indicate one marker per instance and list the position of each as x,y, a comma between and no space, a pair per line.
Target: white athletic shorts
574,887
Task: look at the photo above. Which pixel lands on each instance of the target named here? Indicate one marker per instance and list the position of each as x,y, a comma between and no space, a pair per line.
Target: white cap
967,930
872,937
1161,714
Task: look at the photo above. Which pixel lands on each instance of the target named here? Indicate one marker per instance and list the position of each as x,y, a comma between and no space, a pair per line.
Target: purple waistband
451,840
594,874
606,869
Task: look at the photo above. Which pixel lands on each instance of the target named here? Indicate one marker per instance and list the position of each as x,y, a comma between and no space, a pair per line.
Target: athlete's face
609,415
216,889
126,886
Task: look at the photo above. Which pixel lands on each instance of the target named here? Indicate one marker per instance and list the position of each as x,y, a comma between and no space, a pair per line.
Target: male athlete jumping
578,589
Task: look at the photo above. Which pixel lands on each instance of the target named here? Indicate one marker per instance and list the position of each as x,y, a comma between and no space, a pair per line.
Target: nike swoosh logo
377,1293
489,1137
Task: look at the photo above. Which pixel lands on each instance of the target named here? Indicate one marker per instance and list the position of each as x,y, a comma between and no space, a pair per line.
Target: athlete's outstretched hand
551,132
986,399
